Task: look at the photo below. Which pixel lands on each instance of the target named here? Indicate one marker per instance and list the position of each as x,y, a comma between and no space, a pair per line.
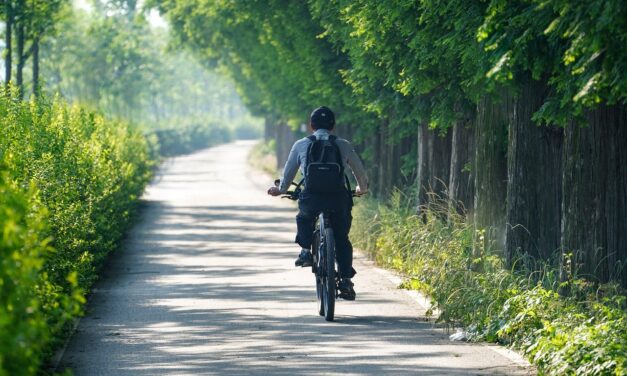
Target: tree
8,39
121,65
507,75
31,21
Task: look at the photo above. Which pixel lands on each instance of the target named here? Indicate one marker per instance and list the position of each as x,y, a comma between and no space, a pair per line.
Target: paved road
205,285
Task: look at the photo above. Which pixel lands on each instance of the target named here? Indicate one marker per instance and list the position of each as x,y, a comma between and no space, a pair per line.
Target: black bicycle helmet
322,117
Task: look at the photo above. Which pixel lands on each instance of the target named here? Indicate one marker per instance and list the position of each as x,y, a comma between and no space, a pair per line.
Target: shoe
346,289
304,259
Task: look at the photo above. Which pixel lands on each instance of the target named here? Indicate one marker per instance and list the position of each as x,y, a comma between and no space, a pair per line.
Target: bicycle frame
325,263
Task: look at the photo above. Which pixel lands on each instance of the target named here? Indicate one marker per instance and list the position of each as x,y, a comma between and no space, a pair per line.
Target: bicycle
323,251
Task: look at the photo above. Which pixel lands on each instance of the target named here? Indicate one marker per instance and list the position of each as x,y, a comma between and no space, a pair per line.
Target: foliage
31,22
186,139
22,248
263,157
408,61
70,181
579,46
582,333
114,60
272,51
246,128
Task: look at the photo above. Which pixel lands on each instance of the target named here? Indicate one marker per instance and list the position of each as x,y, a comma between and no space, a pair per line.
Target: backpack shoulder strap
332,139
311,138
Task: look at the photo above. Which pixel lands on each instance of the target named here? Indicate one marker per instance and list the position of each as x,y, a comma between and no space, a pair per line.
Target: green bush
186,139
70,182
247,129
441,255
22,323
263,157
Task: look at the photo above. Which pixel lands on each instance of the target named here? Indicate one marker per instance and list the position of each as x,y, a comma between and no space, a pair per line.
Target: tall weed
440,253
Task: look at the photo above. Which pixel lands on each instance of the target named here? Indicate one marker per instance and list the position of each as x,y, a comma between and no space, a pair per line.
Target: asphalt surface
205,284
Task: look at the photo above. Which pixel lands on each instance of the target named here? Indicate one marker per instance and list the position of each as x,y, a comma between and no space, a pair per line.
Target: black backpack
324,169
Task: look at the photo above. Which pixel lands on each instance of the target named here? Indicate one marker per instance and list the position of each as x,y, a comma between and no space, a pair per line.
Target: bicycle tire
317,268
329,275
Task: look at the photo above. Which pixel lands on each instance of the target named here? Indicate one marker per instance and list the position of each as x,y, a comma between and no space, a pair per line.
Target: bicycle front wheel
329,284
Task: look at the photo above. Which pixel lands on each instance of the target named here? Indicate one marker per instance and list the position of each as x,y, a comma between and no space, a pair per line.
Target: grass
441,254
262,157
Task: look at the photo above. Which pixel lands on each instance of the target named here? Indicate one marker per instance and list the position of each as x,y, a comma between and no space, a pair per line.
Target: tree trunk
401,150
534,181
490,169
21,61
278,144
392,152
422,173
375,165
284,139
461,181
8,41
440,161
36,66
434,163
408,152
346,132
268,129
594,209
386,146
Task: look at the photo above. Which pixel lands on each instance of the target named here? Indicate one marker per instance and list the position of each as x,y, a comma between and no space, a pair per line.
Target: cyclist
322,123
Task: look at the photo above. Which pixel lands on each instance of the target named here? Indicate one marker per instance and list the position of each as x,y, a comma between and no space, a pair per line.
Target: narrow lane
205,285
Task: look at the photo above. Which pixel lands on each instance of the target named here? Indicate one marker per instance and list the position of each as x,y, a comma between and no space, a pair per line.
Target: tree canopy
377,56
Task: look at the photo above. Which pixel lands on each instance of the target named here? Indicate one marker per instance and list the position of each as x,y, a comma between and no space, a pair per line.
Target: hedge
186,139
69,185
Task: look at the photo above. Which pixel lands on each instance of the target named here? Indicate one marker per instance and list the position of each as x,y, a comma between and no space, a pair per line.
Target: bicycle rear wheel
318,270
329,284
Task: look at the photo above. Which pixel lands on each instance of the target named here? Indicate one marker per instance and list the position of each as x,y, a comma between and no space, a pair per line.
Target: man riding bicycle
339,203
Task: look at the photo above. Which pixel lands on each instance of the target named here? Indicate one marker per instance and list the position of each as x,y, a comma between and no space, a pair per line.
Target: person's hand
359,192
274,191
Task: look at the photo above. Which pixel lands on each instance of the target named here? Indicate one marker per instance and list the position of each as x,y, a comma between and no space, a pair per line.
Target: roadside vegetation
186,139
564,326
514,110
70,181
561,325
95,100
263,157
113,60
506,119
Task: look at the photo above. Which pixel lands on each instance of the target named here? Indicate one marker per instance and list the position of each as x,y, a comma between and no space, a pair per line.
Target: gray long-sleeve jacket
298,157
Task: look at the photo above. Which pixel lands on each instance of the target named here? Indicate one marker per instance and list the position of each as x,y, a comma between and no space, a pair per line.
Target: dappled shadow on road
200,305
183,332
210,289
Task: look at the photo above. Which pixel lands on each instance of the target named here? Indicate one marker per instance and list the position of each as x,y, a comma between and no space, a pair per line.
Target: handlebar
293,195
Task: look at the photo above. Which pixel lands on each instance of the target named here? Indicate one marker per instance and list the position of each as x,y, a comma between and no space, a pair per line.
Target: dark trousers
310,205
